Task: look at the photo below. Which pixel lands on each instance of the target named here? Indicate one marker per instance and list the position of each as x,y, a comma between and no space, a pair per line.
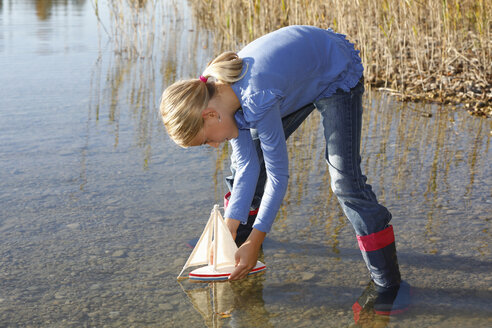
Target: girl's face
216,129
219,124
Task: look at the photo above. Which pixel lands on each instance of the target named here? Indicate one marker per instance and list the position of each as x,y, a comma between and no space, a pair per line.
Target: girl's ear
209,113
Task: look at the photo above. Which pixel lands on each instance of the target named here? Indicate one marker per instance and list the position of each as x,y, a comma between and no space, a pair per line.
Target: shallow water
97,203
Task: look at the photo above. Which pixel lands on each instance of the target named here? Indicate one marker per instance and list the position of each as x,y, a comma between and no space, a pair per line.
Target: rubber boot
374,305
379,253
243,230
394,300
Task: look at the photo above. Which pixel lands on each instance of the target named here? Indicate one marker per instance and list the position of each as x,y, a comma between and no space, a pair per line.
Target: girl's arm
247,172
274,147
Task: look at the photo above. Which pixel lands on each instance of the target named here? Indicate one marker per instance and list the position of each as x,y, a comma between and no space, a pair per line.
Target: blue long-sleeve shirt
282,72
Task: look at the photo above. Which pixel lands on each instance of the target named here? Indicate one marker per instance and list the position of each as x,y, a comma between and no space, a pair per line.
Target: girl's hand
232,225
247,255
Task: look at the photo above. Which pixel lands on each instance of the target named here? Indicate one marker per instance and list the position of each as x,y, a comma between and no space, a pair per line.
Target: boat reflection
45,8
232,304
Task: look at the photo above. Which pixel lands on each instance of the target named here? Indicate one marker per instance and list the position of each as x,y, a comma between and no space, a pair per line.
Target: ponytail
183,102
226,68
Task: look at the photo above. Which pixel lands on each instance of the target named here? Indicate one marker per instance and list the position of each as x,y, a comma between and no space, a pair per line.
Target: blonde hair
182,102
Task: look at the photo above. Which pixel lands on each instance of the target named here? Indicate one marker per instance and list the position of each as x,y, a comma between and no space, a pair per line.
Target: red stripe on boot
226,203
376,240
226,199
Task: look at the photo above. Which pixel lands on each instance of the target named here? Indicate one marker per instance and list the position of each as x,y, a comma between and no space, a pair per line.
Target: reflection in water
45,7
364,314
133,26
131,70
124,84
212,300
231,304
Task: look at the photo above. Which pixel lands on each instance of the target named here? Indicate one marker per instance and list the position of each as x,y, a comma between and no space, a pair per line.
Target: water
96,203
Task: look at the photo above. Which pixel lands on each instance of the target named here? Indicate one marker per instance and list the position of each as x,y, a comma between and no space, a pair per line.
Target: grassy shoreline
438,50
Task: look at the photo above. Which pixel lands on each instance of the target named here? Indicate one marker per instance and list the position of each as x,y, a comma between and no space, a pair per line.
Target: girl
256,99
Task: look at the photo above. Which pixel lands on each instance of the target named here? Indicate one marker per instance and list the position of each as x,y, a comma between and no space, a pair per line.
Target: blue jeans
342,121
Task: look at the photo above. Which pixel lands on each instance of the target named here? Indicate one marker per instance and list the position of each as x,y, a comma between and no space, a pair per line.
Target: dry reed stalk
132,26
436,50
130,79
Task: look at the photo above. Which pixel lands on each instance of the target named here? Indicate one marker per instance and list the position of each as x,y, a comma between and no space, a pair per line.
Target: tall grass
132,25
436,49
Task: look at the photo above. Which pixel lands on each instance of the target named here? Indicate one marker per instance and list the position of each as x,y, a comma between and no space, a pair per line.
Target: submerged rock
166,307
305,276
119,253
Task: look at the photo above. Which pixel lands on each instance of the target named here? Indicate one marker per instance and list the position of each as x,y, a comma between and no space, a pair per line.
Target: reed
437,50
149,42
132,25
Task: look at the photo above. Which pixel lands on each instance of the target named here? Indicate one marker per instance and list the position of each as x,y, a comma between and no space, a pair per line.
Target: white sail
226,247
201,252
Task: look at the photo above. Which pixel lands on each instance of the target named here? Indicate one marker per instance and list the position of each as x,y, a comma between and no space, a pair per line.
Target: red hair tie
203,79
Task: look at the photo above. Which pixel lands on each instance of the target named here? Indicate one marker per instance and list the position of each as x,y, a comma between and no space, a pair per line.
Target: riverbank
435,51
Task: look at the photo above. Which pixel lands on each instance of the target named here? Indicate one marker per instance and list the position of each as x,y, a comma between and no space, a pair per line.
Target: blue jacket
282,72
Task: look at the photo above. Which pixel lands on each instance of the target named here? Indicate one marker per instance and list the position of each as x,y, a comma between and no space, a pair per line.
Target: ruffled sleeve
354,68
256,105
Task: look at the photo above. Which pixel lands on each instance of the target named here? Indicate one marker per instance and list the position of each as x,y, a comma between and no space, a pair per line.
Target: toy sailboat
224,249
